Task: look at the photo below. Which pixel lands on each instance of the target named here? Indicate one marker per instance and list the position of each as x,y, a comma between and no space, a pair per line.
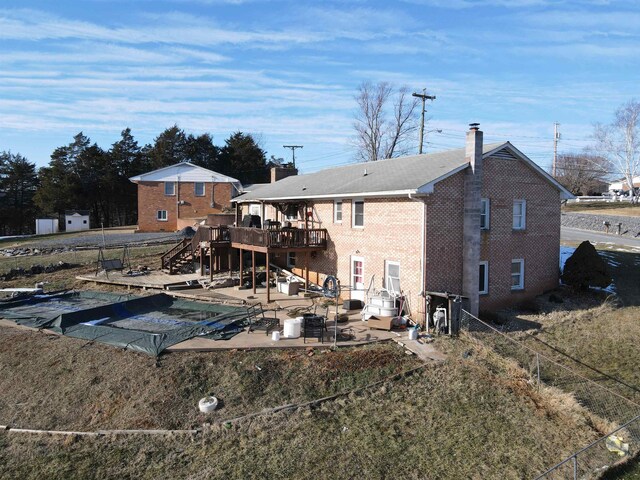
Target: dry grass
604,208
475,416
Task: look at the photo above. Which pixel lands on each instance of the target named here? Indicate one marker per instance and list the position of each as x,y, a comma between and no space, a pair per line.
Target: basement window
169,188
483,285
358,214
484,213
162,215
517,274
198,189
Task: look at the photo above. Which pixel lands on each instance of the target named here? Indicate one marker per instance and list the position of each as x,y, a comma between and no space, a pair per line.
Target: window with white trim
291,259
519,214
169,188
337,211
162,215
357,213
484,213
392,276
198,189
517,274
483,285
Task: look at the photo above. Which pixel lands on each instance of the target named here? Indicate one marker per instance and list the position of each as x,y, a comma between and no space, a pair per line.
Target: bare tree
620,142
582,173
379,132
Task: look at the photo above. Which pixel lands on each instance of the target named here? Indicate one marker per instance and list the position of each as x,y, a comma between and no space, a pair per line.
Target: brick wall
444,231
392,231
151,198
504,181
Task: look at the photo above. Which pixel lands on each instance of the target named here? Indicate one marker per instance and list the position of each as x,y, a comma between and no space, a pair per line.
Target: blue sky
288,70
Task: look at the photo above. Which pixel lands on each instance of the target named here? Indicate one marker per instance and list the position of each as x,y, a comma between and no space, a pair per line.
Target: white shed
46,226
76,220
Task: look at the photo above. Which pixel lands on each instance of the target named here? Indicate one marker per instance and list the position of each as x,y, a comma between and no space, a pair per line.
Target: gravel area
630,225
94,239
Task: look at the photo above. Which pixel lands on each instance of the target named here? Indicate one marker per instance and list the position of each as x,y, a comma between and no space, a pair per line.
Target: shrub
585,268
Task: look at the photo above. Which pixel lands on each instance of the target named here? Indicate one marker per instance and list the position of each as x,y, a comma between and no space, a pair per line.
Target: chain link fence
615,402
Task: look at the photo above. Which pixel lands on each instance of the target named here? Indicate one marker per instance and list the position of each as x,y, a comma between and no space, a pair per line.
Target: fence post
575,467
538,368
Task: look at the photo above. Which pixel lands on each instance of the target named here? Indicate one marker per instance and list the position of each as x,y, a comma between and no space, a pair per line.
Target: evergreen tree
170,147
242,158
18,182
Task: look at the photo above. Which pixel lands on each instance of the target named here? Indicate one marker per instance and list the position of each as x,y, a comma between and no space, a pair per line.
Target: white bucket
275,336
292,327
208,404
413,334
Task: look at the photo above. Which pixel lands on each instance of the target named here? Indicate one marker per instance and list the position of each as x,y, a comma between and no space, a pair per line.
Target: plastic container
275,336
292,327
208,404
413,334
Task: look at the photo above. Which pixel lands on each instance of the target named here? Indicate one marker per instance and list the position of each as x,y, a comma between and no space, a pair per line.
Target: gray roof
400,176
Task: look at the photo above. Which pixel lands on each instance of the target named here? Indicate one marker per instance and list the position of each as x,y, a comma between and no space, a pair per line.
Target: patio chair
258,321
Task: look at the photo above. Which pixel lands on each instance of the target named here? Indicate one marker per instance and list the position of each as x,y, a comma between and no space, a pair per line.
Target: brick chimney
284,171
471,223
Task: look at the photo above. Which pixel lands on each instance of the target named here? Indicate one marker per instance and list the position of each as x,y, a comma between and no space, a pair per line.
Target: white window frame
485,290
485,212
195,189
353,212
387,283
159,216
173,189
337,209
522,223
520,285
358,293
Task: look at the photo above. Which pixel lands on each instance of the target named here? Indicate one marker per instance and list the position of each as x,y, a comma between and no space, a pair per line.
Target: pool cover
145,324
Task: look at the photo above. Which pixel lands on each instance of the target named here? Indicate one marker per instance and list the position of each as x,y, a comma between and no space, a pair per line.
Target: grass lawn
604,208
474,416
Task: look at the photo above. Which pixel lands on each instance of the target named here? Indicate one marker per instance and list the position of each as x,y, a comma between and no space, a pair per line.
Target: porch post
229,259
201,261
268,288
253,270
211,253
306,268
241,266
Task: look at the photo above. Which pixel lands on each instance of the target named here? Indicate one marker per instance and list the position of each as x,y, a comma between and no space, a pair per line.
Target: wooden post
211,253
201,261
268,289
229,258
253,270
241,266
306,268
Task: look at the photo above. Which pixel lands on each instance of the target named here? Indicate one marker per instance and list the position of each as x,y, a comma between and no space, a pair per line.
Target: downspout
423,257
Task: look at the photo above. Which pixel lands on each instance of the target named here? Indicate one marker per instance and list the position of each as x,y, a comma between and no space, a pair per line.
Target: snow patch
565,253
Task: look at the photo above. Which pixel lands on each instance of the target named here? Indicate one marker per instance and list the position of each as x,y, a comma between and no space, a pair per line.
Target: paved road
576,235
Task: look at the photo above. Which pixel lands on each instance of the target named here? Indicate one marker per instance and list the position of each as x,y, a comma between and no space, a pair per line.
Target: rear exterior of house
181,195
485,224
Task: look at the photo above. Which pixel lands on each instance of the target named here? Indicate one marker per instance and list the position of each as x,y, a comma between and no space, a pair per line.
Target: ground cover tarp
145,324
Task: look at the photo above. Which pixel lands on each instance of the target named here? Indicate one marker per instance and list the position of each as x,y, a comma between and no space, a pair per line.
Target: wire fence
614,403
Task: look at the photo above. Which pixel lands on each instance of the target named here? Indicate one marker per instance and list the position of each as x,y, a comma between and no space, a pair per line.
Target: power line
424,98
293,152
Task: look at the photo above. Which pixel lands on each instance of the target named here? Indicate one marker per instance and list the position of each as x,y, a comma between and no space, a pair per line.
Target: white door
357,278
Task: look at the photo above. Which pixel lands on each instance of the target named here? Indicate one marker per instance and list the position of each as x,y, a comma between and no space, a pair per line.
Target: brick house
179,195
482,221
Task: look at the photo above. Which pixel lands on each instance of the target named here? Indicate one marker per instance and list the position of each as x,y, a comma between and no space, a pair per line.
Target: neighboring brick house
179,195
482,221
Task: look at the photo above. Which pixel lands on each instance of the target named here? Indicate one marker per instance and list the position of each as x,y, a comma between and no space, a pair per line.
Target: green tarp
144,324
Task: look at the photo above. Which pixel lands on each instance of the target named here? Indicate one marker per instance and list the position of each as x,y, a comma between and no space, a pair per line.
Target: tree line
82,175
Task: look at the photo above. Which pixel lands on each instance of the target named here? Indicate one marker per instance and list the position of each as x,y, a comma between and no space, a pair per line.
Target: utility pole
556,137
424,97
293,152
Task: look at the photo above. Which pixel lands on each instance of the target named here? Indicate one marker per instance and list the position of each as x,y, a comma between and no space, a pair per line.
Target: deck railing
280,238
